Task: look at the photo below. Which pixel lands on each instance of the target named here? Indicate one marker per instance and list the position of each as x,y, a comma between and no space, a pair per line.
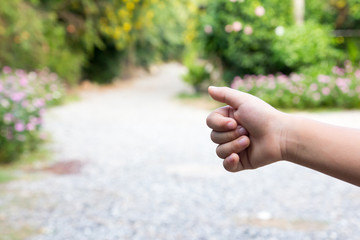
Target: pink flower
20,73
295,77
342,82
237,82
323,78
39,102
228,28
207,29
357,74
23,81
237,26
248,30
326,91
8,118
338,71
313,87
19,127
30,127
18,96
260,11
7,70
1,88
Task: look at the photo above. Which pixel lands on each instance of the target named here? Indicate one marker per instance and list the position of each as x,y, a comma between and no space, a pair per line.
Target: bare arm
329,149
275,136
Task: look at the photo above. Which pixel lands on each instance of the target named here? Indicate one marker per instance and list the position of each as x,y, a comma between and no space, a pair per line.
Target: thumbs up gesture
249,132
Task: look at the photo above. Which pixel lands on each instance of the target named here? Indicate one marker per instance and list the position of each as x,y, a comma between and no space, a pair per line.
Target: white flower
208,29
236,26
260,11
248,30
279,30
228,28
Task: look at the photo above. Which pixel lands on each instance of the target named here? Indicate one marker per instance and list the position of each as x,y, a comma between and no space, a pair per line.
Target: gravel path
150,172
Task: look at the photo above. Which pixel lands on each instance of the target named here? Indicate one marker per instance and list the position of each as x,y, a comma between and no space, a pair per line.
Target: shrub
197,74
41,42
23,99
340,89
241,34
306,45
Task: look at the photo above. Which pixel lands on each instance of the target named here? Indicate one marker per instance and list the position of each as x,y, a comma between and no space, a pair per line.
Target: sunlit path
148,170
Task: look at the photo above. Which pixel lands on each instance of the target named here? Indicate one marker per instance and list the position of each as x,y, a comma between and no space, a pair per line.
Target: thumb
230,96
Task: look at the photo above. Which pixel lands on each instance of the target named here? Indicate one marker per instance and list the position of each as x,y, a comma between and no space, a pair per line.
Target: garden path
149,171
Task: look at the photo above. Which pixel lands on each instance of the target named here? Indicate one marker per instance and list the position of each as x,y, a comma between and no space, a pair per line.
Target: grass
15,170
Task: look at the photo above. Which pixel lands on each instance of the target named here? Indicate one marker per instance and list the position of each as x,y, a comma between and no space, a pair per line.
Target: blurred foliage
260,37
23,99
303,46
73,38
35,44
338,88
241,33
341,14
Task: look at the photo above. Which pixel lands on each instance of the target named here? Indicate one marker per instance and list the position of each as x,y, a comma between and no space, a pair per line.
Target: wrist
289,137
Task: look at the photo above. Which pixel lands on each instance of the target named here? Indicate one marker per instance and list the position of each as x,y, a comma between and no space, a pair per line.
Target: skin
251,134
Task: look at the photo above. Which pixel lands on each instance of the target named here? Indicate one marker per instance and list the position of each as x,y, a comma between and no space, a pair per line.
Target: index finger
221,120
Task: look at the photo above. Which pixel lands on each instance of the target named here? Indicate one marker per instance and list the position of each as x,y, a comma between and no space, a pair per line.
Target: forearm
330,149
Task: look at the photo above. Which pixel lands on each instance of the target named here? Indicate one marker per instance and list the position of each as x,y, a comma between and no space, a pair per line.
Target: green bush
340,88
38,43
23,99
196,76
305,45
241,34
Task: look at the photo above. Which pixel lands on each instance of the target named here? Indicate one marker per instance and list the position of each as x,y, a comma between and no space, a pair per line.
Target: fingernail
243,141
241,131
230,159
231,125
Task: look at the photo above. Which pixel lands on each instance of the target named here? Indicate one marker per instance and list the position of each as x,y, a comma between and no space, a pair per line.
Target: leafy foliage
340,88
23,99
306,45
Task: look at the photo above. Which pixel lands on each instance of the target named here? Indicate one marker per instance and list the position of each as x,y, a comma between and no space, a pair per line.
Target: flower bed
339,89
23,100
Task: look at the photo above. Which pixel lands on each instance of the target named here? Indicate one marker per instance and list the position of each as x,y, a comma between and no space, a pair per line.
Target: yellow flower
117,33
150,14
122,13
341,4
130,6
127,27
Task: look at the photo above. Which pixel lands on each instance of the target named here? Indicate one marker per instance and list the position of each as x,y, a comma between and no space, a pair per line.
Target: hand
249,131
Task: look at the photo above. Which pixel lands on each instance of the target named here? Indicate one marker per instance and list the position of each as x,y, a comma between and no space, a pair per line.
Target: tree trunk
299,11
